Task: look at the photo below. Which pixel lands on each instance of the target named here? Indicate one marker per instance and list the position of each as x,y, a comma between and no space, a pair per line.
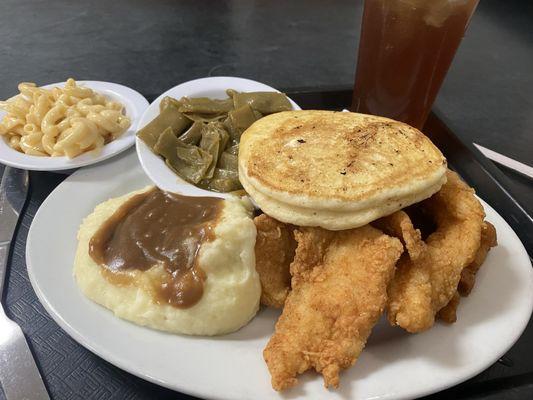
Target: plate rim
122,364
135,100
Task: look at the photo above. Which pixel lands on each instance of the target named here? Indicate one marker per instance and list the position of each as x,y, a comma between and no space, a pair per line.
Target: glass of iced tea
405,50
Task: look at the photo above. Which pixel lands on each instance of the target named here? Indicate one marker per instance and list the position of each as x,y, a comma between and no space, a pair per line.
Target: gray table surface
154,45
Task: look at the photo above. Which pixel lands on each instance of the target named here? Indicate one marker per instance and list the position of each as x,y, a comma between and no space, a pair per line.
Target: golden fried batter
410,294
339,290
468,275
400,226
410,283
423,286
274,251
448,313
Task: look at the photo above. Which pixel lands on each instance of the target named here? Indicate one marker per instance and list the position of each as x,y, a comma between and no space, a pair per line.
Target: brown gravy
159,228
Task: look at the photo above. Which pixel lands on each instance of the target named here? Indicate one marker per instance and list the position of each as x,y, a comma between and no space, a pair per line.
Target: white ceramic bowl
215,88
135,105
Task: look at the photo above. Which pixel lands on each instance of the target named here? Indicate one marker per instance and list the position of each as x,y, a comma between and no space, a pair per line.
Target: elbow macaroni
64,121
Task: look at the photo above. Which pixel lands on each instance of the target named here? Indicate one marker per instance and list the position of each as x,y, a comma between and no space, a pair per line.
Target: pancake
330,219
336,170
231,290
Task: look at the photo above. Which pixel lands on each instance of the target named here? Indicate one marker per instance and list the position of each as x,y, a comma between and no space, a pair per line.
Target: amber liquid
405,50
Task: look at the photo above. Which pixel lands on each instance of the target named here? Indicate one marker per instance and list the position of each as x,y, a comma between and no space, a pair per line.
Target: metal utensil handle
4,253
19,375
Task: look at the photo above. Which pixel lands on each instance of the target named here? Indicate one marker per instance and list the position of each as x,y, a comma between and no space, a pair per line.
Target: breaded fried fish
448,313
399,225
274,252
424,286
411,286
339,290
468,275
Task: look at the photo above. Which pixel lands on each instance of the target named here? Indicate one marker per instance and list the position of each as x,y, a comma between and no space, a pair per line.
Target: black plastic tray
72,372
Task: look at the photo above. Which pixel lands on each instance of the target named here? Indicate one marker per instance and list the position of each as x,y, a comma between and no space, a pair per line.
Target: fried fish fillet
339,290
399,225
448,313
424,286
411,285
274,251
468,275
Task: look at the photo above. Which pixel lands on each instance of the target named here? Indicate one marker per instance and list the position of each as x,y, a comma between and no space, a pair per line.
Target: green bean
167,102
223,181
239,120
234,150
166,146
264,102
214,140
196,160
169,117
228,161
193,134
189,162
205,105
205,117
199,137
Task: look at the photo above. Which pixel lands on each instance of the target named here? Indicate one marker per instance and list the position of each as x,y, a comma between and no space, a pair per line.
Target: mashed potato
231,291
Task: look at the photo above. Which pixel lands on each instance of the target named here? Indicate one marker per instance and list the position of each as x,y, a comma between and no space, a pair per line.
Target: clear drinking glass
405,50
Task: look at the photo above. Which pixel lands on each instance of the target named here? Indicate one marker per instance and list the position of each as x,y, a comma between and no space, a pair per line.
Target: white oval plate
394,365
134,104
215,88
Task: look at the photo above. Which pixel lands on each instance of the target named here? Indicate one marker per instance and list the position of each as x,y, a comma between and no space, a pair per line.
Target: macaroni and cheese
65,121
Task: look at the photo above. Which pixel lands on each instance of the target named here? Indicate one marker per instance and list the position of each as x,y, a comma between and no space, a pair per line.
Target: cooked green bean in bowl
198,137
